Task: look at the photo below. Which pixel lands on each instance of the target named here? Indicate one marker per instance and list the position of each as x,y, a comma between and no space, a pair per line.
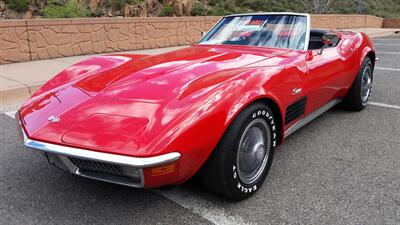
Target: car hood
123,103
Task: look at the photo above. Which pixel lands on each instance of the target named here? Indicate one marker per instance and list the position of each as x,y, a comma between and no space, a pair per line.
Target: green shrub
17,5
167,11
71,9
218,11
97,12
197,10
118,4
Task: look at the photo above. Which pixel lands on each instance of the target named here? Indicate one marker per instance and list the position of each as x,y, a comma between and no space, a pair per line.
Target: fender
365,49
248,84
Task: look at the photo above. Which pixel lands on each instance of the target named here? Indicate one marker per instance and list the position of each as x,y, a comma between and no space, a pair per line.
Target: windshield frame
308,26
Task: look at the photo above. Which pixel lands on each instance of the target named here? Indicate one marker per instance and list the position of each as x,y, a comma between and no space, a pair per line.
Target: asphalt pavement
343,168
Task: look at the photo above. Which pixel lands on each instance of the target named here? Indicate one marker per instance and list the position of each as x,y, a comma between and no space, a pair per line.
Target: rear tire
240,163
360,91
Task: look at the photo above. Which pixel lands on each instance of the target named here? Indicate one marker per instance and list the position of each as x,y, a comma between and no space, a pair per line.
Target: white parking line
387,39
393,53
10,114
196,204
384,105
386,68
386,44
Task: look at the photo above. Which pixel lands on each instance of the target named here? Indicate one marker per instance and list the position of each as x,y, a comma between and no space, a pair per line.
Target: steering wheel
265,38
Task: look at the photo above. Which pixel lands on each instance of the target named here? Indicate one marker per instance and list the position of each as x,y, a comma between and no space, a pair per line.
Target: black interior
316,41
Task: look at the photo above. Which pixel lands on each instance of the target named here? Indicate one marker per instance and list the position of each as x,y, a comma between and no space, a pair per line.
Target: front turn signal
163,169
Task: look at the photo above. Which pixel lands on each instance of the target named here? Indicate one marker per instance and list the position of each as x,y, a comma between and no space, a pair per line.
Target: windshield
279,31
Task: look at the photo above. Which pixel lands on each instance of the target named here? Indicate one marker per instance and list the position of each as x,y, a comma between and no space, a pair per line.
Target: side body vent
295,110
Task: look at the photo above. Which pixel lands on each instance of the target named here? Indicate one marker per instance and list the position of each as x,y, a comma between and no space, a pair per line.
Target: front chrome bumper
63,156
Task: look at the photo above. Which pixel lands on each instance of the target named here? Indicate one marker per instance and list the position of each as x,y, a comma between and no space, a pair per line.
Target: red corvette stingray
218,108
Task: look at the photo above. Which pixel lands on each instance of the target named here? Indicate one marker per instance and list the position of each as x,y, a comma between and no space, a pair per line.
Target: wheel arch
372,55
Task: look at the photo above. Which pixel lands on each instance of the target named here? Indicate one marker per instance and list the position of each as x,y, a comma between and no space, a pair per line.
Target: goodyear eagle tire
360,91
240,163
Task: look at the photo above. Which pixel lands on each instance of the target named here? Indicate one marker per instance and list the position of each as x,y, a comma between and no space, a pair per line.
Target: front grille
95,166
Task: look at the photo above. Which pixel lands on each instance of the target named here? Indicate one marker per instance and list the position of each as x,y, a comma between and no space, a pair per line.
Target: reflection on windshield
279,31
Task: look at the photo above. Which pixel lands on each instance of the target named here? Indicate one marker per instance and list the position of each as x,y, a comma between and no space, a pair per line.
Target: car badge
54,119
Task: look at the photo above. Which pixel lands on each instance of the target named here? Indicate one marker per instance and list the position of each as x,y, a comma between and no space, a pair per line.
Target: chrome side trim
102,157
311,117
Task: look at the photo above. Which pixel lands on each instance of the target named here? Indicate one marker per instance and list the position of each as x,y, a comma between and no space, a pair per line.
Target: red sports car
218,108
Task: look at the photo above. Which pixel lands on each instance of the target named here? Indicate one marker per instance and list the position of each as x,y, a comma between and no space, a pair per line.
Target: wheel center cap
260,151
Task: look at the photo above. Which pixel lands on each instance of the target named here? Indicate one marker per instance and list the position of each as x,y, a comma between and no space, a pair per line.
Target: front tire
240,163
360,91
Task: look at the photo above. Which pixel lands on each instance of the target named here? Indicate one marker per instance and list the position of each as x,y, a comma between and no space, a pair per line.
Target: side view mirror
329,40
203,34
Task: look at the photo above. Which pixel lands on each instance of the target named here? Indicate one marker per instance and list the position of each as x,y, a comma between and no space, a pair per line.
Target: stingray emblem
54,119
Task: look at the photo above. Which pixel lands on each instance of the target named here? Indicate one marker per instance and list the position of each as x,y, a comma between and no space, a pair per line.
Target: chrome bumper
102,157
60,155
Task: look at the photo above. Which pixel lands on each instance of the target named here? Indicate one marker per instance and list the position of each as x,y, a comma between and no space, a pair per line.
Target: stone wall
340,21
24,40
391,23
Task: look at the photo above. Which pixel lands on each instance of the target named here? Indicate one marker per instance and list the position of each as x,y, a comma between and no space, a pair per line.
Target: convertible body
154,120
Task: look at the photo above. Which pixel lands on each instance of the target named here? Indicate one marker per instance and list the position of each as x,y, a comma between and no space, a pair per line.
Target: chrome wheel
254,148
366,84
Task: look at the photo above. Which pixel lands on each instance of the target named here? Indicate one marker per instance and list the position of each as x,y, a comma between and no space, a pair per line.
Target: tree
322,6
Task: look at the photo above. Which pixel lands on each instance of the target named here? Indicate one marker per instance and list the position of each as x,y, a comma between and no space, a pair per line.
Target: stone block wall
24,40
14,42
391,23
341,21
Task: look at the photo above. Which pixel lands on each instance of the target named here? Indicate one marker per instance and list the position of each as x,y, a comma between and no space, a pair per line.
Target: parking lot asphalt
342,168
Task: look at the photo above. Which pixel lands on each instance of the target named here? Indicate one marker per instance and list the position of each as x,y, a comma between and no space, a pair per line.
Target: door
325,77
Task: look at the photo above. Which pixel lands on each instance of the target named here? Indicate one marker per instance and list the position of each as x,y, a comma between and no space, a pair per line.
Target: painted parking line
200,206
10,114
386,68
386,44
392,53
389,39
194,203
384,105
